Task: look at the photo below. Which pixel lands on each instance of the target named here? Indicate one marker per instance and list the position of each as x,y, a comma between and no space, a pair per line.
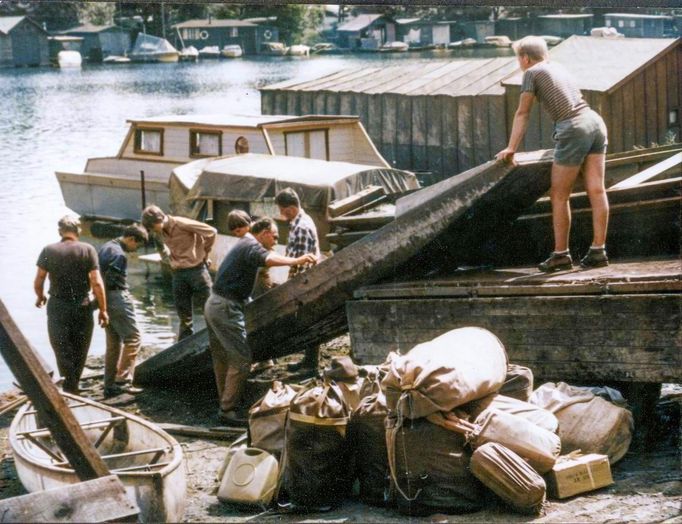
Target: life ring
267,34
203,34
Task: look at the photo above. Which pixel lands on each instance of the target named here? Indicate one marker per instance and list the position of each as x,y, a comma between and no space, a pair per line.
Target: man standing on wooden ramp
302,240
189,244
73,269
119,365
224,312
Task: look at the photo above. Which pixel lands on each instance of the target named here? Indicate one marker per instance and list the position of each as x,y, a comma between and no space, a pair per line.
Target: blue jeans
190,286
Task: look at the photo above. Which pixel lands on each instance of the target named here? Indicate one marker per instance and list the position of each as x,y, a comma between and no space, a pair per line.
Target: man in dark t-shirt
73,269
224,312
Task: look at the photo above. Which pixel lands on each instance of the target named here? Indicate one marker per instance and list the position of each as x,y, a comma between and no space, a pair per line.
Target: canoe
148,460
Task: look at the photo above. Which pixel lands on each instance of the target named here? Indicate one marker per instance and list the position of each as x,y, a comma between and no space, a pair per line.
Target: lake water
54,120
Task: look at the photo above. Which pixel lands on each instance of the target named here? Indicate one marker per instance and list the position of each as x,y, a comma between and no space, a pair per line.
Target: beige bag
531,412
534,444
518,384
509,477
267,419
455,368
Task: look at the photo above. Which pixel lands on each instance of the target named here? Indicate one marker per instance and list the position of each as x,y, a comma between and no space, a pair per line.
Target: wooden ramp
442,221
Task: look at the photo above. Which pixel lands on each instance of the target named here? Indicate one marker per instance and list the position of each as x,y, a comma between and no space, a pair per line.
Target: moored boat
394,47
299,50
148,461
231,51
209,51
274,48
150,48
69,59
189,54
499,40
116,59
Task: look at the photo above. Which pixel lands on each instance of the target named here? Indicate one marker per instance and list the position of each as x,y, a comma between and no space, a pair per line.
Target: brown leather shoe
594,258
556,262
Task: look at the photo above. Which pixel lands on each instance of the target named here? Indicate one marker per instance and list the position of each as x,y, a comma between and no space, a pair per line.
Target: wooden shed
366,31
22,42
100,41
439,117
633,84
636,25
221,32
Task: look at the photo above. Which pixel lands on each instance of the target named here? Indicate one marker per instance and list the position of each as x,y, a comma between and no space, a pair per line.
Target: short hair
262,224
287,197
152,215
69,224
238,218
136,232
534,47
241,145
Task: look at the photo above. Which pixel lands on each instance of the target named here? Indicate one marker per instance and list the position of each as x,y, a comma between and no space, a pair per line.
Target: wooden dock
618,323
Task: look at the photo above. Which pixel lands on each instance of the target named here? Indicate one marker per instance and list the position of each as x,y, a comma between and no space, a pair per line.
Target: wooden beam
352,202
652,172
99,500
50,405
219,433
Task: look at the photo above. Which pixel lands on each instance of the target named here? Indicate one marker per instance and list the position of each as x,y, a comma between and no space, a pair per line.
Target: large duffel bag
367,441
316,455
455,368
429,468
518,383
532,413
267,419
509,477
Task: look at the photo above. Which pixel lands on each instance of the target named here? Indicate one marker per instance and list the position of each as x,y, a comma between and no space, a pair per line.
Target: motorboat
147,460
327,48
274,48
69,59
394,47
150,48
189,54
116,59
231,51
498,40
209,51
299,50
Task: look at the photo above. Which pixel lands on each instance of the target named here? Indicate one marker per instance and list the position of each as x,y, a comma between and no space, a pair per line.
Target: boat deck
621,322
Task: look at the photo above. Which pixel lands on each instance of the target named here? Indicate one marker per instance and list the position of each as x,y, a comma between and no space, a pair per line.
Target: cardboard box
578,474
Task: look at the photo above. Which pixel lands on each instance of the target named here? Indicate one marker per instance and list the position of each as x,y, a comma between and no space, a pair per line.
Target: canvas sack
531,412
267,419
455,368
316,453
509,477
518,383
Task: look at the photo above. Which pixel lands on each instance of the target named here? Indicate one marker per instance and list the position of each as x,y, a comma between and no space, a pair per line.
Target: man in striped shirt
302,241
580,144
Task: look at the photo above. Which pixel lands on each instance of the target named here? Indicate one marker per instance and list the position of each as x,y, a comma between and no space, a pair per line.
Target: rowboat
148,460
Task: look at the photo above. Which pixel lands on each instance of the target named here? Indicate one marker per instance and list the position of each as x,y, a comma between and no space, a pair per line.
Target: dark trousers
69,326
190,286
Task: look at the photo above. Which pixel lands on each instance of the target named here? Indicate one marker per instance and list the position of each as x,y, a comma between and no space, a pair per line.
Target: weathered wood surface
646,175
352,202
441,223
217,433
180,362
51,407
597,337
99,500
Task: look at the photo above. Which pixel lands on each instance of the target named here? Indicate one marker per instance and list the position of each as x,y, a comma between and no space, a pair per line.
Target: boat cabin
111,187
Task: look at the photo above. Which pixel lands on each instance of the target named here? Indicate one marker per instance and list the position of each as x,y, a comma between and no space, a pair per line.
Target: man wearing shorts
581,140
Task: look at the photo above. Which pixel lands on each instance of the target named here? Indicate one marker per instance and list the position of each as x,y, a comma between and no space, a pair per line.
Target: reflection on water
54,120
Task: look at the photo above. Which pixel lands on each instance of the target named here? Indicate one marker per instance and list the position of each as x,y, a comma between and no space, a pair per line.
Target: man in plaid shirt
302,240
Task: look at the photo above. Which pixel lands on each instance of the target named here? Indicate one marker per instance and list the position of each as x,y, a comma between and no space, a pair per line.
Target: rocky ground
648,481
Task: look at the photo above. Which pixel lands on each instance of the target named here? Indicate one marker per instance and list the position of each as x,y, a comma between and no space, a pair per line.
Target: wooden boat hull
170,57
159,490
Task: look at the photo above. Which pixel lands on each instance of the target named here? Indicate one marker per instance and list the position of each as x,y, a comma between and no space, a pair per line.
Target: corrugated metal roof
91,28
358,23
601,64
7,23
448,78
214,22
231,120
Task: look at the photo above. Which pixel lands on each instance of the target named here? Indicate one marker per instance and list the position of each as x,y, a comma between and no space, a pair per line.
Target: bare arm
519,127
273,259
39,287
97,286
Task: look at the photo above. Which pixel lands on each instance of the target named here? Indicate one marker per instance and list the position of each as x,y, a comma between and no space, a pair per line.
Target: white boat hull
159,493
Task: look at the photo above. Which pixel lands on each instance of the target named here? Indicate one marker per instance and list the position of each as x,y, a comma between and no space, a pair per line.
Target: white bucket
250,477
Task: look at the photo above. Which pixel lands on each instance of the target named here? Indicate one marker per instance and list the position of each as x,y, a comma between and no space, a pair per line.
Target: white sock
564,252
598,248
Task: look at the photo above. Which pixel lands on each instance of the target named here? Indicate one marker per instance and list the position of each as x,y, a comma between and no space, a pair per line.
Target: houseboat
118,187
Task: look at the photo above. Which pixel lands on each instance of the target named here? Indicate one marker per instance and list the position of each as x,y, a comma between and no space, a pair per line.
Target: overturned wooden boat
148,461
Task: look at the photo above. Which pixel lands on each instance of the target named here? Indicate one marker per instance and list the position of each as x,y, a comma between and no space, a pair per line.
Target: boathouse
366,31
514,27
563,25
221,32
476,29
23,42
100,41
438,118
420,33
633,84
636,25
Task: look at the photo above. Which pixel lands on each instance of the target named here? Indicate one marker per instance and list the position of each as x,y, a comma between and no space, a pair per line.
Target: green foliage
97,13
55,16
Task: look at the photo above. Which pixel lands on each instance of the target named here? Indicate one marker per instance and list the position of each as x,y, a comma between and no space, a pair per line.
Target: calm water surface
54,120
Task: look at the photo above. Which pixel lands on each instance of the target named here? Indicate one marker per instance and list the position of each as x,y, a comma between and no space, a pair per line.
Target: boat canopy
151,45
255,177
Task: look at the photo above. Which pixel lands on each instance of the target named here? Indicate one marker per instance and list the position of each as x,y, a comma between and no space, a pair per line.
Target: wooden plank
481,130
465,133
450,138
218,433
352,202
651,96
652,172
615,130
52,409
266,102
630,117
543,333
369,221
662,97
638,111
99,500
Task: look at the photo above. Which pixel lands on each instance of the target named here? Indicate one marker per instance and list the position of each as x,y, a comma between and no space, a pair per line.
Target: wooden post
50,405
143,190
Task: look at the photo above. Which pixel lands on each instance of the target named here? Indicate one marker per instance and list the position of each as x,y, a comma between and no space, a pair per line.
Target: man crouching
224,312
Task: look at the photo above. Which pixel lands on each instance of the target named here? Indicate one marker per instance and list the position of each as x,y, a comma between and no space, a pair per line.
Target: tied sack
354,381
316,453
587,422
518,384
532,413
429,468
367,442
509,477
267,419
455,368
